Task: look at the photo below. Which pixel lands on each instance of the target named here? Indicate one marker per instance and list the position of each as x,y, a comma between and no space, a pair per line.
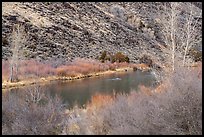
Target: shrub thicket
103,56
118,57
146,60
31,113
164,110
33,68
196,55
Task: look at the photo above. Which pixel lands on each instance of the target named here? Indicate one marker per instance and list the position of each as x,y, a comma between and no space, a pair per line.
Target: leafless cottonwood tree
191,36
181,29
18,40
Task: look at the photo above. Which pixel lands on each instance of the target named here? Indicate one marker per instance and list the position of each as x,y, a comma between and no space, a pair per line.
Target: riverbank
44,80
145,105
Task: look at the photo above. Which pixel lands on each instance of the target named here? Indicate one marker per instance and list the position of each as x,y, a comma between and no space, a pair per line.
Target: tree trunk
184,56
11,74
17,70
173,25
172,42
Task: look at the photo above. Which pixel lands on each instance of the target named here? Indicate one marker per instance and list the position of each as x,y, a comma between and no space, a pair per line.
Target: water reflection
80,92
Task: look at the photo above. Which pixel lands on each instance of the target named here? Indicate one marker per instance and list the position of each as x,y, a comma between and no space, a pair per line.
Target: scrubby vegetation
164,110
117,57
32,113
28,69
33,69
147,60
162,36
196,55
168,112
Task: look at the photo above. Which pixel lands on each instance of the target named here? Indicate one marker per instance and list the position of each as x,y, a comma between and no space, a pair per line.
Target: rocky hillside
69,30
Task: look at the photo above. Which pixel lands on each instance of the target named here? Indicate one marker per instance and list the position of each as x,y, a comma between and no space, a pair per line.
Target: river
80,91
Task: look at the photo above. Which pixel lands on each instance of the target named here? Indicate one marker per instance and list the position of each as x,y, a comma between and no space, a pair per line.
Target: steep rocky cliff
69,30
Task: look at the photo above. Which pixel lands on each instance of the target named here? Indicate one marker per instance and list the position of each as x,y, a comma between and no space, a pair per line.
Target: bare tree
169,24
191,36
18,39
34,94
180,28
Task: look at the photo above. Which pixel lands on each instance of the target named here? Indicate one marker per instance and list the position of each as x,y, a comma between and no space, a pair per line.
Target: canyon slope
64,30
